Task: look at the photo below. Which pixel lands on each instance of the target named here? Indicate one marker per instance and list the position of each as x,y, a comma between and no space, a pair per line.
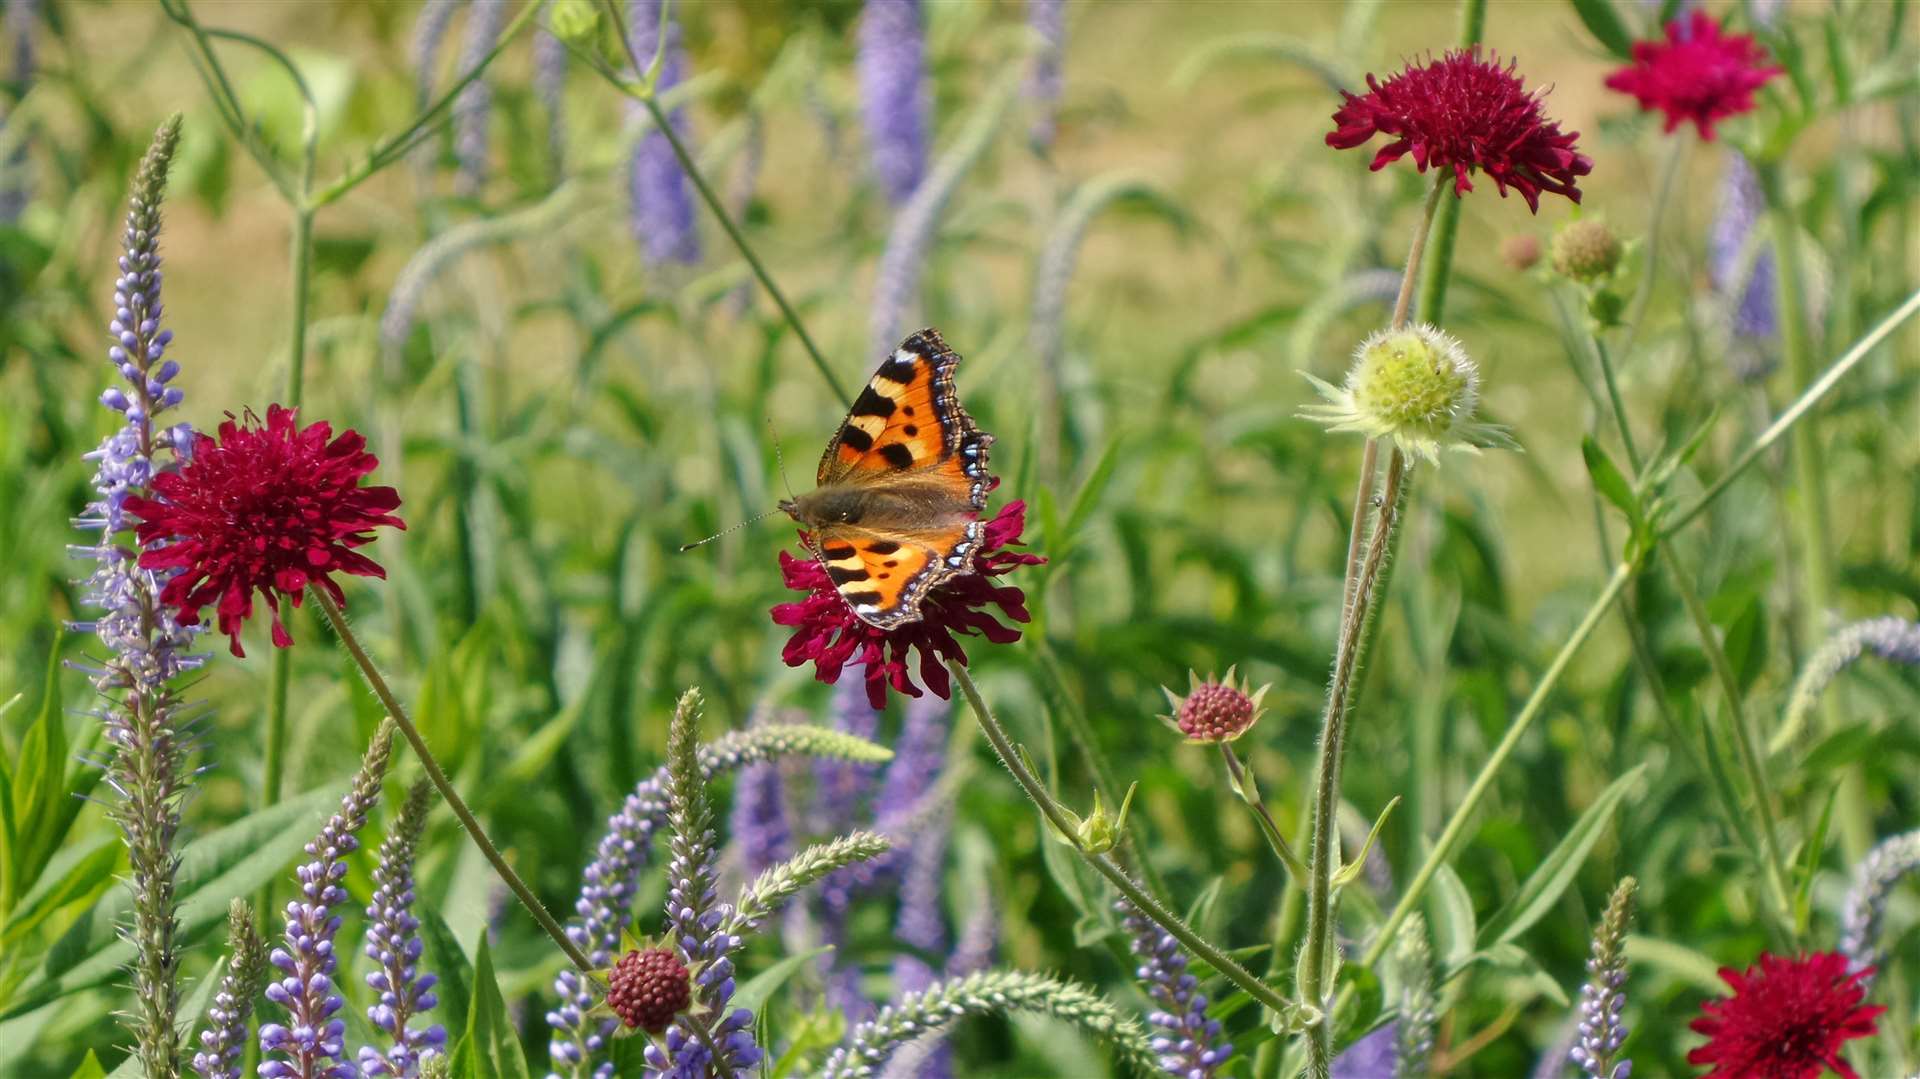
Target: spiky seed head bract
1586,250
1214,710
1415,385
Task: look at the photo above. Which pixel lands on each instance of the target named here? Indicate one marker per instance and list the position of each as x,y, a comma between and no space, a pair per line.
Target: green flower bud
1416,386
575,22
1586,250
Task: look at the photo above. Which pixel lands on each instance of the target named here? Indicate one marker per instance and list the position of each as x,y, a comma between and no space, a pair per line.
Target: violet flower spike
16,26
1866,902
550,86
1602,1031
894,94
1047,20
1740,265
146,648
473,108
311,1044
1188,1043
1374,1056
223,1043
393,942
662,198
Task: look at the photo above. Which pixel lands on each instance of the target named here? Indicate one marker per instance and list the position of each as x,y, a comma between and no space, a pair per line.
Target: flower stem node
1099,831
577,23
1415,385
1216,710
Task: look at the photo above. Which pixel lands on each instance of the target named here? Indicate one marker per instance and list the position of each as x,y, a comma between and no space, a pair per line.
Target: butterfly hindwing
884,577
907,418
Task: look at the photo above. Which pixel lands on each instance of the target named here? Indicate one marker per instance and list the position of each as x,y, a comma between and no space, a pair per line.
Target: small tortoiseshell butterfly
900,488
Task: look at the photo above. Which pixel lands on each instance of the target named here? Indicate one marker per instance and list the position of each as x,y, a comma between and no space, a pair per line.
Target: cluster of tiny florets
1216,710
648,987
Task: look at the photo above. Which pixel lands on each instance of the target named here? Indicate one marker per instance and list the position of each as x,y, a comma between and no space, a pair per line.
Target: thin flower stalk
871,1044
312,1044
146,646
610,881
223,1042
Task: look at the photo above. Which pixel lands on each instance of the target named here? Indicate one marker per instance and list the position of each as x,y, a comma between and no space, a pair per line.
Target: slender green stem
1771,857
1249,792
1103,864
1669,173
429,762
646,96
1403,303
1323,852
1788,420
1456,828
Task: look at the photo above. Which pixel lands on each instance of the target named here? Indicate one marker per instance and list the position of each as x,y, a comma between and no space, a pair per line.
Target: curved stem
1457,826
1147,904
439,777
646,96
1669,172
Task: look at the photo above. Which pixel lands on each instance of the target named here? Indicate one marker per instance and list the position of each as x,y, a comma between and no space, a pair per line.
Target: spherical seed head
648,987
1215,710
1520,251
1586,250
1415,385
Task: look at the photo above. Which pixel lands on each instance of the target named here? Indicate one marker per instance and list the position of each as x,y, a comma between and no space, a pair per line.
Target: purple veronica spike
1866,903
1189,1043
1375,1056
393,942
1602,1030
1740,263
424,49
145,647
759,825
893,89
474,107
312,1043
663,214
224,1041
608,883
697,921
1048,21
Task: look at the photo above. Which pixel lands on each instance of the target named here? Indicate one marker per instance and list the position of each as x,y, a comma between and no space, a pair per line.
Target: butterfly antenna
780,460
732,528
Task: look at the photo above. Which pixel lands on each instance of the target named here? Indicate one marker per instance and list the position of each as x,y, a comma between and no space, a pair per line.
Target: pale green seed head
1414,383
1586,250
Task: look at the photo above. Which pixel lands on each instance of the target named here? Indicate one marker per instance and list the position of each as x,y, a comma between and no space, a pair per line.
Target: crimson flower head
268,509
1461,112
1787,1019
827,632
1696,74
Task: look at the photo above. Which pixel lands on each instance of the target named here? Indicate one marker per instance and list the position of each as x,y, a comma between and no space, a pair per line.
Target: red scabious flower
1696,74
1464,113
267,509
1787,1019
826,631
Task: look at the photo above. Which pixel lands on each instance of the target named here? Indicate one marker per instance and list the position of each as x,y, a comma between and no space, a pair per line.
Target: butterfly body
896,509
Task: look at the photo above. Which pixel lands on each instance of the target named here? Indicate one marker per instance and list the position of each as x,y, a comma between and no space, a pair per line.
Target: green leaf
78,873
755,991
39,788
490,1049
234,861
1604,24
1608,480
1810,864
1450,910
444,956
1746,642
1544,888
1676,960
90,1067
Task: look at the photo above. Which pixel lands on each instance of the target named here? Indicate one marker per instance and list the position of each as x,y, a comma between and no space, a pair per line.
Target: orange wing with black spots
908,419
884,580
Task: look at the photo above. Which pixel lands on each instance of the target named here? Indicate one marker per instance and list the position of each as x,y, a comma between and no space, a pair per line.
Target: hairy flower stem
644,94
1317,961
428,761
1751,762
1104,864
